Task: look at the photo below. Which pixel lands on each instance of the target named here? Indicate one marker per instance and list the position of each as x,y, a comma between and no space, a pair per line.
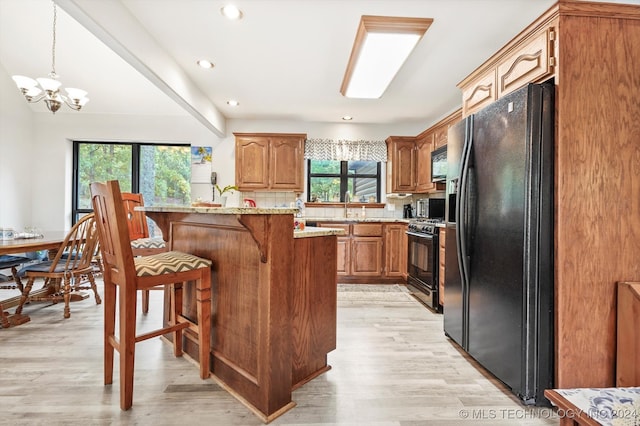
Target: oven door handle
415,234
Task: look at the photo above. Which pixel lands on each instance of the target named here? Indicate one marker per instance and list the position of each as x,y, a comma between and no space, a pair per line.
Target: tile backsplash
393,208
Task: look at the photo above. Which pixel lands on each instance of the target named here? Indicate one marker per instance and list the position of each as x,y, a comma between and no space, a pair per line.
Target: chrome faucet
347,198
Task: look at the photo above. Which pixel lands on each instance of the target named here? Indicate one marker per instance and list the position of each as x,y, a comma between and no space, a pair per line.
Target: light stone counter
313,231
309,231
357,219
218,210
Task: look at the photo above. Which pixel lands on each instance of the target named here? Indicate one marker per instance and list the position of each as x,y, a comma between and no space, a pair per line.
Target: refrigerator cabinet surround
502,290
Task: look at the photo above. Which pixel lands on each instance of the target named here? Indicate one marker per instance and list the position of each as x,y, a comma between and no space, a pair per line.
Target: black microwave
439,164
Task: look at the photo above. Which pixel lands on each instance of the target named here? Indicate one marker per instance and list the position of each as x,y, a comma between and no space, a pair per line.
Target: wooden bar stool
141,243
127,274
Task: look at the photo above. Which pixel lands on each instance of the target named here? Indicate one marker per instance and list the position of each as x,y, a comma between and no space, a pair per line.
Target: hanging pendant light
48,89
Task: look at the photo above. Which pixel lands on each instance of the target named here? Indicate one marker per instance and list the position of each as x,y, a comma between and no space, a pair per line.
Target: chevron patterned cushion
166,263
147,243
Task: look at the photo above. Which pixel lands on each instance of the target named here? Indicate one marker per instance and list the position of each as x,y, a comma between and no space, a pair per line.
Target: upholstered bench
597,406
619,406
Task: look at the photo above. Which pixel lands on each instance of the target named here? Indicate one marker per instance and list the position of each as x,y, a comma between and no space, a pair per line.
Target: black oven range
422,261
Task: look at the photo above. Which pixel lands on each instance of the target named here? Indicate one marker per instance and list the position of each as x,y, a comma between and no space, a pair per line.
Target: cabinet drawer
530,63
367,229
480,94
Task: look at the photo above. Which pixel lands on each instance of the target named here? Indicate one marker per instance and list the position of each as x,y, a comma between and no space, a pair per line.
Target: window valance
345,150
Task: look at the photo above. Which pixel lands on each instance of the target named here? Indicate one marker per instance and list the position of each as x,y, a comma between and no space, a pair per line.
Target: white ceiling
284,60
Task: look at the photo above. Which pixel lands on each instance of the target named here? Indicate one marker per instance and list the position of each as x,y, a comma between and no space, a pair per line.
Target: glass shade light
48,84
74,93
24,82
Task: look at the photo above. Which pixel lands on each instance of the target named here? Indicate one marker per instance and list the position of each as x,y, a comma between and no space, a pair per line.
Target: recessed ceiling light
347,118
231,12
233,102
382,45
205,64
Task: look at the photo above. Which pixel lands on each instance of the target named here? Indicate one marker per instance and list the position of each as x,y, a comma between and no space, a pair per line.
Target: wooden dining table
50,241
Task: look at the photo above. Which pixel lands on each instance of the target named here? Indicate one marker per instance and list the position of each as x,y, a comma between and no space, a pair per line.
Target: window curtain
345,150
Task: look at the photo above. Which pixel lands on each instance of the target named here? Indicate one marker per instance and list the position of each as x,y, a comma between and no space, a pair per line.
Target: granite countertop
312,231
218,210
357,219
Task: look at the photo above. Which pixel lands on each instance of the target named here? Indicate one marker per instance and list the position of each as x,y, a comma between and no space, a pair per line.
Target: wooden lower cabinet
371,251
344,255
395,250
366,256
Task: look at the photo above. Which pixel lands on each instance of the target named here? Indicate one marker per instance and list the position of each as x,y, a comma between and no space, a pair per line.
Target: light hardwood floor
393,366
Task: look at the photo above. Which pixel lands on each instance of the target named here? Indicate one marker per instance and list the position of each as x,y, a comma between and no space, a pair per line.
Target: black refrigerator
498,299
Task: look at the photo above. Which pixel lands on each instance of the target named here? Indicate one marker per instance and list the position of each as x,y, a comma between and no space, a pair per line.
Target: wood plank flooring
393,367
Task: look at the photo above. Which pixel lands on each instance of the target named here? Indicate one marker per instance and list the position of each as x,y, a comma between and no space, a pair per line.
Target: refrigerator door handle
462,213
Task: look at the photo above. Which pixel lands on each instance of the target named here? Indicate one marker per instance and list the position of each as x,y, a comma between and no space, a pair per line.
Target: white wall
16,162
36,162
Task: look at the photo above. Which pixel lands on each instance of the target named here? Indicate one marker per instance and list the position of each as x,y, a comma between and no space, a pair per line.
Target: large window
329,181
162,173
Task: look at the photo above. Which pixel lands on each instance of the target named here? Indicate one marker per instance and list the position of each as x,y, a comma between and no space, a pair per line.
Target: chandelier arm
71,104
34,99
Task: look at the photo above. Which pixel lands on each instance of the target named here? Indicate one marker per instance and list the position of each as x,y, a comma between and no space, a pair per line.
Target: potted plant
221,191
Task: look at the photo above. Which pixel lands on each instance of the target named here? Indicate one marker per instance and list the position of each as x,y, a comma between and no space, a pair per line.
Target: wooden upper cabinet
440,136
528,58
270,161
530,63
424,146
287,163
252,162
480,93
401,164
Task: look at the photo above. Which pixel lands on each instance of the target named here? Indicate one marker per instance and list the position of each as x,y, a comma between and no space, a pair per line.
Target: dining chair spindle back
67,272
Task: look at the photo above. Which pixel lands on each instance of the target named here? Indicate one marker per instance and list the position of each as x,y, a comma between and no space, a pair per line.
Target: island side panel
251,279
313,305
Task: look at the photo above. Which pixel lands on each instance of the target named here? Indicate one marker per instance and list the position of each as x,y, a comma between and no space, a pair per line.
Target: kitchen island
273,298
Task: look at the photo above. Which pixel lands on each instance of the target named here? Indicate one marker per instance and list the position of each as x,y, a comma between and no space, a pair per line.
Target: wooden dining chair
10,262
141,243
69,271
127,274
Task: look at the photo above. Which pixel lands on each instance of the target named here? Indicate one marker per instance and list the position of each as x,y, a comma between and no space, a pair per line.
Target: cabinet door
286,167
530,63
252,169
395,249
440,136
344,256
366,259
479,94
401,167
424,146
344,246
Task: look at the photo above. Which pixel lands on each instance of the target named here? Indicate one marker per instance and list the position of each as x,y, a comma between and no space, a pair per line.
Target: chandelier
48,89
